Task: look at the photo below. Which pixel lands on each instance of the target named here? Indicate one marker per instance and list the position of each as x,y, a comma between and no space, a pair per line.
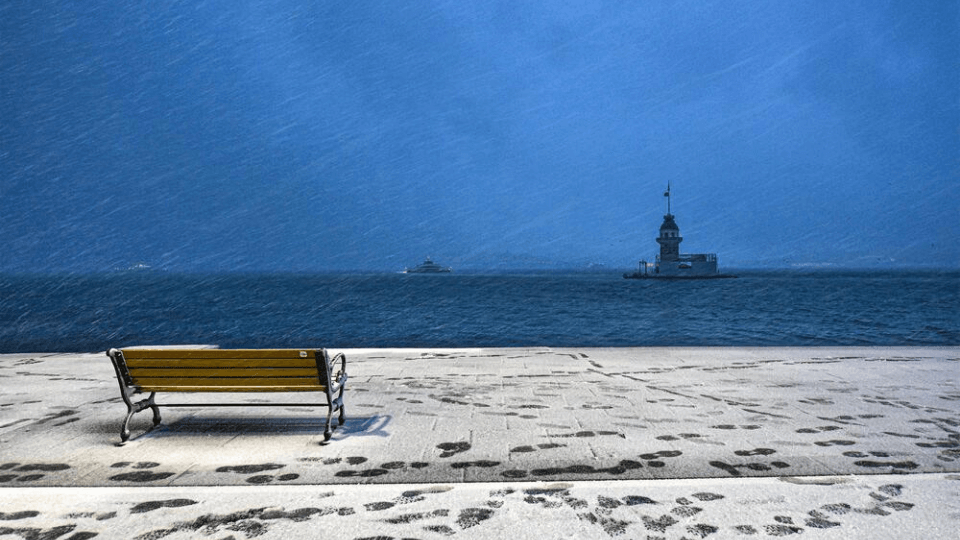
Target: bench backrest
224,370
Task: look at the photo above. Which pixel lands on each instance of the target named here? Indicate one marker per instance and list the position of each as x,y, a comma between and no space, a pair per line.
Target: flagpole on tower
667,195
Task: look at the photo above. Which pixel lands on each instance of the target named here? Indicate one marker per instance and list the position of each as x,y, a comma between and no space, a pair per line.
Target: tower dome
669,224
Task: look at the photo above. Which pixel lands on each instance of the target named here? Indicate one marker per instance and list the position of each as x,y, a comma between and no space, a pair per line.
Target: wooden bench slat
175,354
260,372
222,362
235,382
247,389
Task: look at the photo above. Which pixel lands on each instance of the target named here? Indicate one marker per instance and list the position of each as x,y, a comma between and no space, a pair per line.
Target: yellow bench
226,370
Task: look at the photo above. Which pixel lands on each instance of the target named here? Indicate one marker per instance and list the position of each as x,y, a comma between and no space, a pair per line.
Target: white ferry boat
428,267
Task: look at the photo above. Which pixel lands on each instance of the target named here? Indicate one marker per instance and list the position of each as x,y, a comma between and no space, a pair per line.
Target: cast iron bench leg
133,408
328,432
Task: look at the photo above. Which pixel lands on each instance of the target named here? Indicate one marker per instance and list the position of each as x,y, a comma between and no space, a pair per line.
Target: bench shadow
365,426
232,426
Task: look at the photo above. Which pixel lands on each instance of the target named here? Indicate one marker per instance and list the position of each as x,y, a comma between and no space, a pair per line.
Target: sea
91,313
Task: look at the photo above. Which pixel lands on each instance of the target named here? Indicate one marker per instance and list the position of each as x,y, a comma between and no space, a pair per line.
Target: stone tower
669,238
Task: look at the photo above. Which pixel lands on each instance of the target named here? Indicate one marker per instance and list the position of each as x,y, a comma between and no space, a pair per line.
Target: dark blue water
93,313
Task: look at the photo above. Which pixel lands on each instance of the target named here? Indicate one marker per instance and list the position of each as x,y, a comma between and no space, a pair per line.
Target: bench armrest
338,376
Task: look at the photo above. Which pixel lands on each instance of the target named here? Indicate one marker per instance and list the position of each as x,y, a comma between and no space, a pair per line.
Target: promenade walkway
837,442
